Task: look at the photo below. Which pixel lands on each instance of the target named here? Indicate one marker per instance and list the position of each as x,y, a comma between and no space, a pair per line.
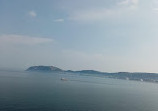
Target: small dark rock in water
63,79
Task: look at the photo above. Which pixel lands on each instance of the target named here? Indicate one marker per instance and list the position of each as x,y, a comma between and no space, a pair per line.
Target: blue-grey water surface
26,91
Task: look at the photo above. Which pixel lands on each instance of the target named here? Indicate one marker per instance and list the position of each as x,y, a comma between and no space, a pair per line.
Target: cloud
132,4
129,2
101,13
155,6
22,40
21,51
155,10
92,14
125,2
59,20
32,13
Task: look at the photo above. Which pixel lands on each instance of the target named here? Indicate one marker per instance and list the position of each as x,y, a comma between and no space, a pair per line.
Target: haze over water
25,91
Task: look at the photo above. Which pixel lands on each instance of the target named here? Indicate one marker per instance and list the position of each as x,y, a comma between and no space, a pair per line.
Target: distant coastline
137,76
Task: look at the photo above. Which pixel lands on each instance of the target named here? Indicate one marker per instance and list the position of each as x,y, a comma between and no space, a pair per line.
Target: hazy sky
104,35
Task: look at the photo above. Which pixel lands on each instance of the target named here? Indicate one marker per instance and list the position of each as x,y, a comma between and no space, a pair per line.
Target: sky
103,35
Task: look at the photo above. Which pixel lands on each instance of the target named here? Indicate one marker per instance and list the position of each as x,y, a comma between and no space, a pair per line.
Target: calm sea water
25,91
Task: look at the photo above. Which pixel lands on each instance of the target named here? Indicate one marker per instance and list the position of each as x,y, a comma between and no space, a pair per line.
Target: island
137,76
44,68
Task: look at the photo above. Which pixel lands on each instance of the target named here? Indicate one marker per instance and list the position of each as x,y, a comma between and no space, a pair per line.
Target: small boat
63,79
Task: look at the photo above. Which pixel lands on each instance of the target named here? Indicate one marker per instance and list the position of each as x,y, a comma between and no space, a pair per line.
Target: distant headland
44,68
138,76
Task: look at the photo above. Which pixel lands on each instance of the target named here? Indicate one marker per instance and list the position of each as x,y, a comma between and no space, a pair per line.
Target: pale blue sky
104,35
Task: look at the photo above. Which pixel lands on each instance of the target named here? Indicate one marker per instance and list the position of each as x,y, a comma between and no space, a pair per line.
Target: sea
44,91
